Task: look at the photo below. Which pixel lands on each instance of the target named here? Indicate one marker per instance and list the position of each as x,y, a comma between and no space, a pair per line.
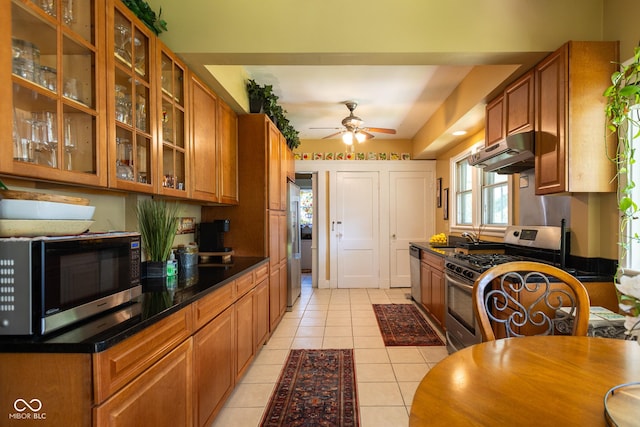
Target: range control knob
469,274
516,233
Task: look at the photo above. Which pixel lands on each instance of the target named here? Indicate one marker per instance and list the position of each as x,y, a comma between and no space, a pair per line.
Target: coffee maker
210,236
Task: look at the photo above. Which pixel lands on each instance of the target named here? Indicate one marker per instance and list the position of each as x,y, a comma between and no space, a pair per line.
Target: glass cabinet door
130,103
174,153
55,92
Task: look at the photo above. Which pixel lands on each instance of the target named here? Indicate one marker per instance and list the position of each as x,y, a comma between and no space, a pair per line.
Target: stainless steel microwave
47,283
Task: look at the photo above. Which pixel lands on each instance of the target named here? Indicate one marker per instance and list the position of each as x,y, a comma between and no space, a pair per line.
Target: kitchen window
631,260
481,200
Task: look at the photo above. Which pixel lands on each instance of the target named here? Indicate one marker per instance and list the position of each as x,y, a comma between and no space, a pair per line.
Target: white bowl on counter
43,210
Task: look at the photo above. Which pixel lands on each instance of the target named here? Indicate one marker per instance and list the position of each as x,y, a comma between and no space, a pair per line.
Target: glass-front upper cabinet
171,129
56,91
130,101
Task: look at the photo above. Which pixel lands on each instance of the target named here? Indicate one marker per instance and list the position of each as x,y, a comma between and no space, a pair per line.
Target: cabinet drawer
117,366
213,304
161,396
261,272
244,284
433,260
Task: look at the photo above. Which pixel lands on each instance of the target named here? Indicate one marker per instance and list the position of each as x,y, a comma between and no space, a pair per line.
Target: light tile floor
387,377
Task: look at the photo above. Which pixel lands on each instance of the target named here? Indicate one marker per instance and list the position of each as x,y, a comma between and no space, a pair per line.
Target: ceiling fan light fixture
361,137
347,138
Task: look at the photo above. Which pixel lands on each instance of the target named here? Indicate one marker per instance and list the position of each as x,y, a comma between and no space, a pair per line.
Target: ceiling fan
353,129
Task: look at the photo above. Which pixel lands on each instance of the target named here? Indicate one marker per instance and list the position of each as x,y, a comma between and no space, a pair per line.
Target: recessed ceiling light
459,133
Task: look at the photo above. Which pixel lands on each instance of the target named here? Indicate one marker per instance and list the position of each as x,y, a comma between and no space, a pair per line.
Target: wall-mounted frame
439,192
445,209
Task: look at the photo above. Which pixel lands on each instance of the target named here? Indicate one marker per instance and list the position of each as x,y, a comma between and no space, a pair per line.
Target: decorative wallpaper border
353,156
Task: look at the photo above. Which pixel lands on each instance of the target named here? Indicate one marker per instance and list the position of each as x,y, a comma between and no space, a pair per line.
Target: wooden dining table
529,381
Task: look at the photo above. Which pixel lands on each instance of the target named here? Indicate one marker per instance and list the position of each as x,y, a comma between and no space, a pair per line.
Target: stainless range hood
513,154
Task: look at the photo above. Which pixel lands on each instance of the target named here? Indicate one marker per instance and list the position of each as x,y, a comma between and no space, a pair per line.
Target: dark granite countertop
160,298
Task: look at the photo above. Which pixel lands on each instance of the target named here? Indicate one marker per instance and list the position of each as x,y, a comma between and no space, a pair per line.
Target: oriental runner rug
316,388
404,325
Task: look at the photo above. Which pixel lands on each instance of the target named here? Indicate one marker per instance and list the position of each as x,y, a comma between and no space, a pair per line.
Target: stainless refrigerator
294,277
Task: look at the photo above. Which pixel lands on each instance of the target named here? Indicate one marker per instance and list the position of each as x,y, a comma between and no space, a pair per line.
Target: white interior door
411,219
357,229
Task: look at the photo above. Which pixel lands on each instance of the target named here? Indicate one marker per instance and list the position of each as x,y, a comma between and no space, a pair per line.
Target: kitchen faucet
470,236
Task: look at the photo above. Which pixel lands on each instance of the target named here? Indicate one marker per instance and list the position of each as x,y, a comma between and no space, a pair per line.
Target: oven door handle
456,282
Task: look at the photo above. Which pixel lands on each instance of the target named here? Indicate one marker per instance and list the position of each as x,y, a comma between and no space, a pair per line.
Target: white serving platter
38,209
42,227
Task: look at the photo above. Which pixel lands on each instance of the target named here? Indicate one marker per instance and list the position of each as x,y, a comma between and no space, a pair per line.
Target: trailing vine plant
622,112
622,97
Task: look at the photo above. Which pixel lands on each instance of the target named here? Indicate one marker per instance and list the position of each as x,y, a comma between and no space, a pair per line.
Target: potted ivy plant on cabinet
622,111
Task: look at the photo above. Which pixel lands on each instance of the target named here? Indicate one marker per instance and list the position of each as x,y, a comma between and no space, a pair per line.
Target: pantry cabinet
53,122
569,120
258,224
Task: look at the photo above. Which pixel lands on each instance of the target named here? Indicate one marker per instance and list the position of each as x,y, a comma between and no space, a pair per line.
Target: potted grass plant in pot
622,111
158,223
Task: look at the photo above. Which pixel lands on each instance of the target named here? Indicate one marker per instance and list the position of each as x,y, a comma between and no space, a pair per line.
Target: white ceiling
389,96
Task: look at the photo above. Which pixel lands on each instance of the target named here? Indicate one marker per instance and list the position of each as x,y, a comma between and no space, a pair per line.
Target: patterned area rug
403,324
316,388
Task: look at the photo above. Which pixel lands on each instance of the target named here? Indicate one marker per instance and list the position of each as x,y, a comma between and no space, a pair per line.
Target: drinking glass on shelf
121,40
67,11
49,6
123,104
22,147
69,141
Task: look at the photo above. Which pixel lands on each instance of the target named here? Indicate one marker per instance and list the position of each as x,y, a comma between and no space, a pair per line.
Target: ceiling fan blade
366,134
332,135
382,130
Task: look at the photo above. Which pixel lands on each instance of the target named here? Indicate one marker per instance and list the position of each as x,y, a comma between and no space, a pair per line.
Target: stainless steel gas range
534,243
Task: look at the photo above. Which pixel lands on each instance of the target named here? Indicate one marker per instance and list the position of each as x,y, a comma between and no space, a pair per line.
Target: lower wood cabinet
177,372
214,351
245,336
261,307
432,286
160,397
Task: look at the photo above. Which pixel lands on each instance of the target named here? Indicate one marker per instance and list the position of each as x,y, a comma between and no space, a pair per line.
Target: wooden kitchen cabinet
512,111
53,109
261,315
569,120
214,366
172,118
245,333
147,399
432,286
131,103
277,265
258,224
519,105
120,364
204,127
227,139
494,121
